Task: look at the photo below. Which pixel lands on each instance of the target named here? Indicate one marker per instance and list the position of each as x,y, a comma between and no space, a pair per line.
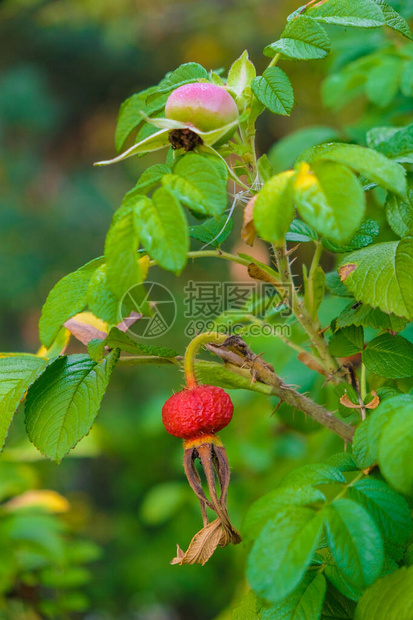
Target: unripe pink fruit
206,106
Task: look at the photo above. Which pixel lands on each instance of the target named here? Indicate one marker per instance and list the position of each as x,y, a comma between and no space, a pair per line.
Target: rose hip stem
191,353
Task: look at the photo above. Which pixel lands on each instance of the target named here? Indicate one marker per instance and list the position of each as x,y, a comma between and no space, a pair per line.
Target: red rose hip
197,411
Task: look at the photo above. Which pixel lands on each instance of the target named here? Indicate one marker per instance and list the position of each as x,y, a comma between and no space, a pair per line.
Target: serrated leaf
267,506
63,403
355,541
399,213
393,19
121,245
382,416
395,450
273,89
164,230
343,461
101,301
365,235
383,81
330,199
319,473
346,341
392,141
389,510
129,117
117,339
300,232
337,606
67,298
282,552
379,276
213,232
388,599
361,445
335,286
302,39
366,316
371,164
389,356
197,185
360,14
273,209
285,151
335,577
151,178
304,603
187,73
17,371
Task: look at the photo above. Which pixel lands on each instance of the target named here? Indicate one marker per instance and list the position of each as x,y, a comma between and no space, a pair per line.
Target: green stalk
191,353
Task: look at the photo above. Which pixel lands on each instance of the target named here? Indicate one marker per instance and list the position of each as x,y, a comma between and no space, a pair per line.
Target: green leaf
337,579
302,39
343,461
267,506
355,542
393,19
273,89
304,603
330,199
365,235
399,214
318,473
406,82
116,339
371,164
67,298
63,403
282,552
314,288
248,609
383,81
345,388
130,117
337,606
213,232
395,450
273,208
360,14
154,142
389,356
366,316
185,74
300,232
241,74
285,151
265,168
197,184
382,416
335,286
389,510
388,599
361,445
396,143
347,341
151,178
101,301
163,229
17,371
379,276
121,245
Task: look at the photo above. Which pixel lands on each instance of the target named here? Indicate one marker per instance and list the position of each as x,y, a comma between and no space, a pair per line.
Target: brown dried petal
202,546
248,232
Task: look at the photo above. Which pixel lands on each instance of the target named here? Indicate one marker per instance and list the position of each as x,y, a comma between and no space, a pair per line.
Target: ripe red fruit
197,411
206,106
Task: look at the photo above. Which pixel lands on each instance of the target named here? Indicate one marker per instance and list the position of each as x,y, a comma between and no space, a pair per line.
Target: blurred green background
66,66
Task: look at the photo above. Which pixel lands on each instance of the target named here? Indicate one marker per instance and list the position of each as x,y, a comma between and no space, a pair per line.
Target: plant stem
299,310
274,61
244,362
213,254
363,382
192,350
